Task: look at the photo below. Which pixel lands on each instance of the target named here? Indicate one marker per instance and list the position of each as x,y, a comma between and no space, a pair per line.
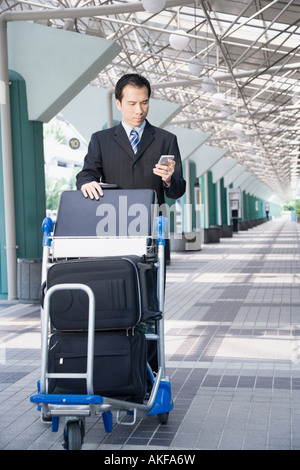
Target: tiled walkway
232,345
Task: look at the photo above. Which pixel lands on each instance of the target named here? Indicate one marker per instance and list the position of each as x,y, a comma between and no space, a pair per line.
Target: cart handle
47,228
161,227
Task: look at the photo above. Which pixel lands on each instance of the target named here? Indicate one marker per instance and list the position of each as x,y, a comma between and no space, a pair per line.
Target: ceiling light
218,99
242,136
153,6
248,144
208,84
225,110
196,66
179,40
231,120
238,127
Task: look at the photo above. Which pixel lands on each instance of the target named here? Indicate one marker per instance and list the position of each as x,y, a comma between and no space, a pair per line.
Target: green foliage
288,206
55,184
297,207
54,188
54,130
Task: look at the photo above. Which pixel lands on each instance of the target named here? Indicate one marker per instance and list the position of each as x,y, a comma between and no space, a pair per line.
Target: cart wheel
163,417
73,434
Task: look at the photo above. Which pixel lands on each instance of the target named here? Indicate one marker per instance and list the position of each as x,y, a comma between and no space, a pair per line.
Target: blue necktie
134,140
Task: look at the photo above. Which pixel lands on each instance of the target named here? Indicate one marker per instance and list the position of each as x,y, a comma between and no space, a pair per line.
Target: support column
188,212
206,200
8,182
219,203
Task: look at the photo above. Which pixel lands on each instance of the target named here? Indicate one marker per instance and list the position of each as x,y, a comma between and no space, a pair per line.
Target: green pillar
193,180
3,276
224,202
245,205
203,200
252,207
212,200
29,180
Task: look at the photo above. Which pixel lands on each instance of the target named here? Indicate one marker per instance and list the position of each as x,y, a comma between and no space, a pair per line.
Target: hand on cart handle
92,190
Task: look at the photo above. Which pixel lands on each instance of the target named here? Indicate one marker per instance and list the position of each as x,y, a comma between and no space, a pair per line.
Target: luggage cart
61,248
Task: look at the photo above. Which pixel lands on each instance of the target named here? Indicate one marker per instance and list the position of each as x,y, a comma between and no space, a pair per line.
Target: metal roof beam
228,76
62,13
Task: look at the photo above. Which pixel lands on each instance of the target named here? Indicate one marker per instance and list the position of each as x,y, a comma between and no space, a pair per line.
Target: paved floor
232,345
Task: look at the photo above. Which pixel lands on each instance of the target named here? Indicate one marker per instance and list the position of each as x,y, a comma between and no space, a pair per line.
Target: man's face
134,105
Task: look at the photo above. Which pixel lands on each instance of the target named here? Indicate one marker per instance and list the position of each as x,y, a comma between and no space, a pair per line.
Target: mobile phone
164,159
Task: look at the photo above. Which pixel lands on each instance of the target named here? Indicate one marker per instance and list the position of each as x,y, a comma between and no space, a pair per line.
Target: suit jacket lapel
122,139
147,138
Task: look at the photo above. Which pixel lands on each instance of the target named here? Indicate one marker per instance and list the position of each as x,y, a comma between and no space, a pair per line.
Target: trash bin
29,279
212,234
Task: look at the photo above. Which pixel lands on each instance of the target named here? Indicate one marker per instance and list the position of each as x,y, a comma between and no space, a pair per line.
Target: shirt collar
139,129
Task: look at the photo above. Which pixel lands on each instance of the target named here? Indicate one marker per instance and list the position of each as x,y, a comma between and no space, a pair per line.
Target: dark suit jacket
110,159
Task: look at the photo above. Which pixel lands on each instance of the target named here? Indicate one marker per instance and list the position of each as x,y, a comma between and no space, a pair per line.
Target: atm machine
234,207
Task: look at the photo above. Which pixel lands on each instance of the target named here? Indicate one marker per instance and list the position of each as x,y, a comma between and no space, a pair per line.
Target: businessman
131,161
113,158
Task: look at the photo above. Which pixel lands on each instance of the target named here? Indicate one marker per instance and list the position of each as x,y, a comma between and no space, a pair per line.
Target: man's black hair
133,79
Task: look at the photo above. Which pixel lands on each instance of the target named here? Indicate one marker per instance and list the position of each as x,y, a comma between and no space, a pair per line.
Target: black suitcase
119,364
125,290
118,213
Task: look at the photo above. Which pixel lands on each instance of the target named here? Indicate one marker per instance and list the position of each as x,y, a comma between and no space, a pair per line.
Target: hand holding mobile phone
164,159
164,168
